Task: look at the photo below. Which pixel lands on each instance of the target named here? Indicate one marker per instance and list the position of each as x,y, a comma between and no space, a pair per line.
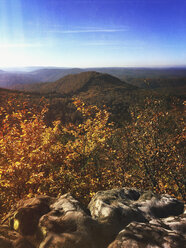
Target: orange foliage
34,158
25,144
51,160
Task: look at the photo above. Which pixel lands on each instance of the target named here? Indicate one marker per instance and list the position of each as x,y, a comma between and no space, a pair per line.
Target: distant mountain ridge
51,75
9,80
75,83
141,77
92,88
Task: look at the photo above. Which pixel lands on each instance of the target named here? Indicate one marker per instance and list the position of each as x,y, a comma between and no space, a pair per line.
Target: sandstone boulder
25,219
160,206
146,235
5,243
7,237
177,223
115,209
12,239
67,225
116,218
23,243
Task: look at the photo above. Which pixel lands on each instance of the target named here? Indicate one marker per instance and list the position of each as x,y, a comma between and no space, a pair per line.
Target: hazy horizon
35,68
18,68
92,33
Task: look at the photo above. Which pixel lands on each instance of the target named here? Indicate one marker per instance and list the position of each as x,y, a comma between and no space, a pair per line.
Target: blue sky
92,33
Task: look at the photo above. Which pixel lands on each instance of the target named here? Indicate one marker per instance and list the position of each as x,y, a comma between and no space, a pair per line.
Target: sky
92,33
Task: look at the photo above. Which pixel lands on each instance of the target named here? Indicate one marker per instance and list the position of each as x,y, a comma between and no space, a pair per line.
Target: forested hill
93,88
140,77
77,82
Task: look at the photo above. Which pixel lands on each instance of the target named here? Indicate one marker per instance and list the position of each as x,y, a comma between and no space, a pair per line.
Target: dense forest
88,132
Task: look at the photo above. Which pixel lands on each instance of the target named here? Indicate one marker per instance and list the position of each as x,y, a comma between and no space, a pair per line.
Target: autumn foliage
147,152
152,149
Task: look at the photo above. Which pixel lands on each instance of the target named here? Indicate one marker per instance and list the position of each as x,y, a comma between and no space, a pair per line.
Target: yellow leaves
17,164
20,140
41,159
87,157
127,175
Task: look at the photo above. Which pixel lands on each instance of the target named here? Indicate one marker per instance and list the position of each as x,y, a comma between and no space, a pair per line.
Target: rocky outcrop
68,225
149,235
26,218
115,218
